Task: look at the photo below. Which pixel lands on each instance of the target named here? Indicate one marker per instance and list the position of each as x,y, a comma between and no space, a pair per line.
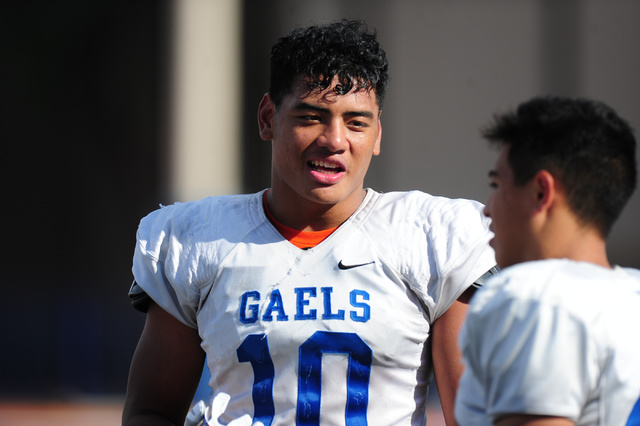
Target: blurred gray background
112,107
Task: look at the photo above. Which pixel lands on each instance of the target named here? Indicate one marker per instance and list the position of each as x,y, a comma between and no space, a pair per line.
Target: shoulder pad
480,281
139,298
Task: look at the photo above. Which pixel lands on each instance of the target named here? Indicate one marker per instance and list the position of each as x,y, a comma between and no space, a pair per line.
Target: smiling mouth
325,167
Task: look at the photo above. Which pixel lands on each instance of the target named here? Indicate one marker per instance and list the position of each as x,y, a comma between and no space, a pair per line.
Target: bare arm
527,420
165,371
447,358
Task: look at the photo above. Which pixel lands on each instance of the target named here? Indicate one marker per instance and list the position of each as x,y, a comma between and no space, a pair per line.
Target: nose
487,210
333,137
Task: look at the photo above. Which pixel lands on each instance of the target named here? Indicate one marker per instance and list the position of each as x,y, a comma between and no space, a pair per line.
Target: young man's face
509,208
322,144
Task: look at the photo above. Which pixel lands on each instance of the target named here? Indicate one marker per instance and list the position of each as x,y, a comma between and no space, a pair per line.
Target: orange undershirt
300,239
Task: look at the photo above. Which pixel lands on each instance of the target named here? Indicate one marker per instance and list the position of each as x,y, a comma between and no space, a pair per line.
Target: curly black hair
583,143
344,49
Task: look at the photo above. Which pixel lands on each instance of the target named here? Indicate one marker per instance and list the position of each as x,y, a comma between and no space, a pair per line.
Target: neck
571,240
306,215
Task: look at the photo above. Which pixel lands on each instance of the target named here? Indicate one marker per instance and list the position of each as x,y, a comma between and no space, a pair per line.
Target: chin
324,197
328,195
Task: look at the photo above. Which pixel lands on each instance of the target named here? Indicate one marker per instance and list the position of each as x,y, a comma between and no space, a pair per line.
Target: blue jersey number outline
255,350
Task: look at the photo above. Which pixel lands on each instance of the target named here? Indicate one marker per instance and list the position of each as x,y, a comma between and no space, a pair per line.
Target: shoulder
631,273
192,211
516,284
414,214
523,280
424,204
439,245
179,247
190,227
564,276
427,212
513,303
576,288
190,218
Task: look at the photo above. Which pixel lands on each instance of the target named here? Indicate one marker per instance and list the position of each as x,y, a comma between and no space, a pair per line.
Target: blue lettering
250,308
326,292
301,302
366,309
253,317
275,305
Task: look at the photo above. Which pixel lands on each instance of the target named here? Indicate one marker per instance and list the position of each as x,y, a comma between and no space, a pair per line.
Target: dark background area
84,98
81,89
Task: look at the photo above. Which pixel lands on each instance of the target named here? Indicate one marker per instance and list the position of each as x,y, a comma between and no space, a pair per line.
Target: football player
546,341
316,301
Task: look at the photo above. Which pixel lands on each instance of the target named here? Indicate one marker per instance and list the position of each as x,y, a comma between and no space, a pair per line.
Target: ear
546,190
266,117
376,147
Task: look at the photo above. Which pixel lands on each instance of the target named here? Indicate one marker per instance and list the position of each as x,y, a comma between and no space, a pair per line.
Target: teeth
324,164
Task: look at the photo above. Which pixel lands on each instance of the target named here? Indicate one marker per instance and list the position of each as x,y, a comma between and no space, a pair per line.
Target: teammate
547,341
316,301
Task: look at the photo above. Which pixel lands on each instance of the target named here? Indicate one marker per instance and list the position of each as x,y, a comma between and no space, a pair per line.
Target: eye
358,124
493,179
310,118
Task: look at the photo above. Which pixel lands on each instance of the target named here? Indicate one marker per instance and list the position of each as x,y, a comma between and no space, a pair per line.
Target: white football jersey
331,335
553,337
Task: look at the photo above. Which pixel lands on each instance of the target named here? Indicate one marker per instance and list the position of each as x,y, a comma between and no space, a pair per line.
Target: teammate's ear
266,117
545,188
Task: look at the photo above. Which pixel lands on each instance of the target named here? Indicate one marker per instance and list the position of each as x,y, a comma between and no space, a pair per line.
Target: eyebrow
493,173
306,106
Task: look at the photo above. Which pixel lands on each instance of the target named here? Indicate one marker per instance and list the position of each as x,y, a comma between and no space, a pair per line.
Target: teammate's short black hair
344,49
582,143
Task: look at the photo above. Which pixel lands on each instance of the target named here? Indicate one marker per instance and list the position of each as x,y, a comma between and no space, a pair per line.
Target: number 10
255,350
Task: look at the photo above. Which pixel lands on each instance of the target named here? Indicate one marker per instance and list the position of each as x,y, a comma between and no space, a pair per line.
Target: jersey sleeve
524,356
458,242
161,266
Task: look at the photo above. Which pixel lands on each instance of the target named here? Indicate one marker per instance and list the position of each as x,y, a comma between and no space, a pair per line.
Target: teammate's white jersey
553,337
334,334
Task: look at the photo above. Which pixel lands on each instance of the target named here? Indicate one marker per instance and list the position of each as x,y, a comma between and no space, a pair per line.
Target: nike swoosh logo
344,267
